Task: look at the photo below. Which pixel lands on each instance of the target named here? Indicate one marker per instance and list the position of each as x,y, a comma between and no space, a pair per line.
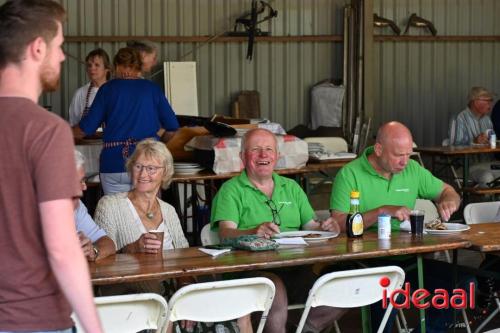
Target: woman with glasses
128,218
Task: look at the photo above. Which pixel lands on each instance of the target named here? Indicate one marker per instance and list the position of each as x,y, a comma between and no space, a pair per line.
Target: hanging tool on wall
419,22
250,22
382,22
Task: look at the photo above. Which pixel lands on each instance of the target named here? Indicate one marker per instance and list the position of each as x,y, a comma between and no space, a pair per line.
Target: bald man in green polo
389,181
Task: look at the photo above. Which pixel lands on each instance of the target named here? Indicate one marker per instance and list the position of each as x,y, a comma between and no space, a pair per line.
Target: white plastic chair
130,313
417,154
353,288
222,300
208,237
333,144
481,212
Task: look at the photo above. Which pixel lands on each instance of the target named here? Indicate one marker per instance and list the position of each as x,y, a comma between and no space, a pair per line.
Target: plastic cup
417,222
159,235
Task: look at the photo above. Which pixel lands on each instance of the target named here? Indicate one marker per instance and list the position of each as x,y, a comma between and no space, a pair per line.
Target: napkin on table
214,252
291,241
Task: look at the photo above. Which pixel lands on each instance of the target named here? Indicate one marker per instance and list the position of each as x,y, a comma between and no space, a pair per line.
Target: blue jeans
115,182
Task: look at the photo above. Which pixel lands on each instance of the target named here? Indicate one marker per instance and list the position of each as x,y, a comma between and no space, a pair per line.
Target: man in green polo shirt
389,181
263,203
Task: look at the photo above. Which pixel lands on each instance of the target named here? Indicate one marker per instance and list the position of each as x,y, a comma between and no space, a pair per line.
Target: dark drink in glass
417,222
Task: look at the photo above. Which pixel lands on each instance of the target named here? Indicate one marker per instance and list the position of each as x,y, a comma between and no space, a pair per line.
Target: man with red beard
43,264
260,202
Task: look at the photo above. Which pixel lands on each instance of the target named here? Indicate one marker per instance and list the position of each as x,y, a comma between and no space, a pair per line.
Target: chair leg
302,320
490,317
466,320
336,326
401,317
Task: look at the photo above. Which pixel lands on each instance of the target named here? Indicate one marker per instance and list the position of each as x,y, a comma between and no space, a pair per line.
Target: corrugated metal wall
423,84
283,73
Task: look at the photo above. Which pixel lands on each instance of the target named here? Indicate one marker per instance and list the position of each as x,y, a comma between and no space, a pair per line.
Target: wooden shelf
204,39
278,39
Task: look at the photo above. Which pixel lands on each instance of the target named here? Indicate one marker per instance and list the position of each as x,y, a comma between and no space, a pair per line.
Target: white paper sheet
291,241
214,252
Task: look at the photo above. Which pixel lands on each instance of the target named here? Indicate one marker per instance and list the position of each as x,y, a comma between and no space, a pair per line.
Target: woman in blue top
131,109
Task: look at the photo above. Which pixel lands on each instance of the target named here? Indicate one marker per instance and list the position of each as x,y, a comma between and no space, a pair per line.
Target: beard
49,78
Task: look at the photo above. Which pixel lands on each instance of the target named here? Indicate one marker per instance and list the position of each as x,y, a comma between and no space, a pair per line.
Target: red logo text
423,299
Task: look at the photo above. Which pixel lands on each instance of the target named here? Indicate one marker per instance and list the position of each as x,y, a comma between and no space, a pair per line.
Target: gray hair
154,149
79,159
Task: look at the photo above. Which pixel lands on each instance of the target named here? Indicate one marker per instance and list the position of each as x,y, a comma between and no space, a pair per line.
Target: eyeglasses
275,211
258,150
150,169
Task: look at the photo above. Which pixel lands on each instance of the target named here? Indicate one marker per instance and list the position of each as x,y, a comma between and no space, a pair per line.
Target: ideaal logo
441,299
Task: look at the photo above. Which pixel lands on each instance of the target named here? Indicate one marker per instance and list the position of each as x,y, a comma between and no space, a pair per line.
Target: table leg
420,270
366,319
466,170
455,281
194,212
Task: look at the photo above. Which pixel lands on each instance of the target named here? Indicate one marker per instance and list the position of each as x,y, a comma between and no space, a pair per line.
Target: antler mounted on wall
382,22
419,22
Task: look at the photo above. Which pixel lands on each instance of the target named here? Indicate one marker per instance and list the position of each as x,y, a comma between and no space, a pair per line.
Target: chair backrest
481,212
130,313
209,237
333,144
222,300
429,207
353,288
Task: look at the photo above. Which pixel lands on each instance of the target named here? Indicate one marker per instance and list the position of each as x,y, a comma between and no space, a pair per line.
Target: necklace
149,213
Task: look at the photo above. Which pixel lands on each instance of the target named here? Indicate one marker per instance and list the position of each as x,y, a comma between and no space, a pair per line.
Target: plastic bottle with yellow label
354,220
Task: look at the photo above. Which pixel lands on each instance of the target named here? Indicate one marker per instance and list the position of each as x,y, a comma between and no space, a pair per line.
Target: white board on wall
180,87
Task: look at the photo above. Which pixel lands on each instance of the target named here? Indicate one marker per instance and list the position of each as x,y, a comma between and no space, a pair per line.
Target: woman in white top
129,217
98,71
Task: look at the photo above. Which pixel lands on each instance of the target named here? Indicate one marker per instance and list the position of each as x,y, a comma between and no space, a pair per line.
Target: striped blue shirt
467,126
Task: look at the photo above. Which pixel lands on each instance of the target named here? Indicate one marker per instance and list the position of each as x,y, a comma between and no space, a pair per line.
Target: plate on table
187,171
186,165
308,235
452,228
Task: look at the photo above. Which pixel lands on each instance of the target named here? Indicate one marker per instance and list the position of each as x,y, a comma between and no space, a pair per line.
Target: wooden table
191,262
208,178
122,268
458,151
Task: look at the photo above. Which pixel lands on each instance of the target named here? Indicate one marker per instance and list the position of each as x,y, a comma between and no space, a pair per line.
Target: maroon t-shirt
36,165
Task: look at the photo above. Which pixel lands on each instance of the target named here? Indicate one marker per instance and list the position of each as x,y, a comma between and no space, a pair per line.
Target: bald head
393,131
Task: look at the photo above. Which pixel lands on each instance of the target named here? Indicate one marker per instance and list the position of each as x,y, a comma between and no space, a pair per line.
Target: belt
126,146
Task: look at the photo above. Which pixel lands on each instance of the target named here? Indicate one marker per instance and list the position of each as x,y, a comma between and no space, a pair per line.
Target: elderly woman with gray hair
129,217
